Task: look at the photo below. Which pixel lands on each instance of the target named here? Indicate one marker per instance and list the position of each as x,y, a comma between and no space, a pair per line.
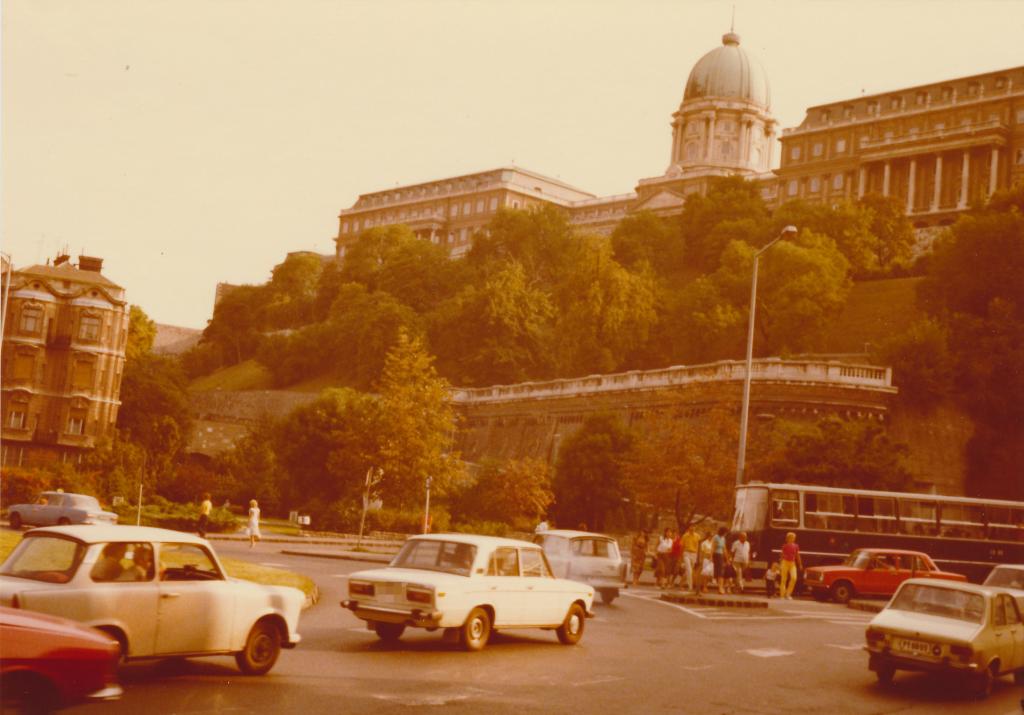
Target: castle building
65,328
938,147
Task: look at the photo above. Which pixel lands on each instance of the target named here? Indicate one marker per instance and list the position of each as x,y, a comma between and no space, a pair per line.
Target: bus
961,534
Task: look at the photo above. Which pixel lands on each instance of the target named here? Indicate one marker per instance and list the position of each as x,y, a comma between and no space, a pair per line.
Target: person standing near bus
789,567
691,542
740,558
719,557
664,554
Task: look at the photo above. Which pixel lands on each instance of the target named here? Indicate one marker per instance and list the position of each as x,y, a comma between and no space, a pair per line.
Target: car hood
282,591
908,623
54,625
834,569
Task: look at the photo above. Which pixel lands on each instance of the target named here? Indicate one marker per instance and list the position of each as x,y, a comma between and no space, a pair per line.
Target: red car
872,572
48,663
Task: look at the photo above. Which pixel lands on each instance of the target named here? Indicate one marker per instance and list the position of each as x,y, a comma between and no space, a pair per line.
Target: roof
955,585
68,272
99,533
572,533
474,539
891,551
728,72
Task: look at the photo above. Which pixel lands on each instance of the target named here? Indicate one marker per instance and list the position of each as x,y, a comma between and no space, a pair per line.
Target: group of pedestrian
252,526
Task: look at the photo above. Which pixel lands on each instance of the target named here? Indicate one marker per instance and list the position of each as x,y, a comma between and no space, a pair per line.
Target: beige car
976,632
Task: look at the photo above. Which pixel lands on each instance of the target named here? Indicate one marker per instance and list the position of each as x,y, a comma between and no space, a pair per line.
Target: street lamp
745,410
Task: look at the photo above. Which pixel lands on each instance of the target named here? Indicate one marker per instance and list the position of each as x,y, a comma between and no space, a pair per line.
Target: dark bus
961,534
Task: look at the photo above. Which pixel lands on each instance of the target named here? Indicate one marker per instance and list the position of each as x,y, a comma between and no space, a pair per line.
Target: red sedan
48,663
872,572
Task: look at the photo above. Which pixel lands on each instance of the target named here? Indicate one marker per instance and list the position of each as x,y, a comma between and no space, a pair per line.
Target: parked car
589,558
157,592
470,586
47,663
872,572
60,508
947,627
1007,576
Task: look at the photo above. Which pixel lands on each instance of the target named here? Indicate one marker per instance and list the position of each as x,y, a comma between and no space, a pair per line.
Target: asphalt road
638,655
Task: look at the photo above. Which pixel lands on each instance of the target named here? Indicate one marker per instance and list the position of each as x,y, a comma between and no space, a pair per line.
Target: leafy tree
922,363
645,238
141,334
296,356
292,290
728,199
894,232
252,470
239,318
686,467
542,240
849,225
517,491
588,476
117,465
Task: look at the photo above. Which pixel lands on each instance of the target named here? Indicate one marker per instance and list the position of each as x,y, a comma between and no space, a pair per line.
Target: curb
341,555
872,606
713,601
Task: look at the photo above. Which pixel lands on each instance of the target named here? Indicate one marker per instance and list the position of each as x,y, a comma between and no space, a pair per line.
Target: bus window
876,514
751,509
1005,523
962,521
828,511
918,517
785,508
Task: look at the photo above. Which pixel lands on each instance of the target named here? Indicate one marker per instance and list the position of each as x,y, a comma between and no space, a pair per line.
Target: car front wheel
571,629
885,674
981,685
261,649
388,632
842,592
15,520
476,630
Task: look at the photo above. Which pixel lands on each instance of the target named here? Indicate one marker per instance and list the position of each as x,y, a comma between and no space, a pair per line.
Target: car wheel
476,630
981,685
608,595
885,674
842,591
30,694
571,630
63,521
261,649
388,632
15,520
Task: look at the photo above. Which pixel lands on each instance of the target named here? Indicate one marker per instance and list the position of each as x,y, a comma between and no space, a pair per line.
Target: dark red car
48,663
872,572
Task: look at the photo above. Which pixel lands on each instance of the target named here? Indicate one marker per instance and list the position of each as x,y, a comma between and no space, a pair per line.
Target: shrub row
180,517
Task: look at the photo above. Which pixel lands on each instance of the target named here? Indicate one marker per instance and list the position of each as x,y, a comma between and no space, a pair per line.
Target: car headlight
874,636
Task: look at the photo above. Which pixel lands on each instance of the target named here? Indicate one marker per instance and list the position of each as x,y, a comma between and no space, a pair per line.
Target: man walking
691,542
205,507
740,558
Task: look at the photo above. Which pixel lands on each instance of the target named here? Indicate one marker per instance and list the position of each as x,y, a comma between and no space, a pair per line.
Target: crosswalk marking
851,646
767,652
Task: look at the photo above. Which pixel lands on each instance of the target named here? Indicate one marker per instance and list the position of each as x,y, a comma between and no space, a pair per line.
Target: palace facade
65,328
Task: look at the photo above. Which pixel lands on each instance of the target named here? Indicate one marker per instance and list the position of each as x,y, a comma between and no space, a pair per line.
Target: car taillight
360,588
15,601
418,594
874,636
963,652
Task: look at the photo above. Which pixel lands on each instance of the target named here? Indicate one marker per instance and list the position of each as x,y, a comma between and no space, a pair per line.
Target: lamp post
426,509
745,410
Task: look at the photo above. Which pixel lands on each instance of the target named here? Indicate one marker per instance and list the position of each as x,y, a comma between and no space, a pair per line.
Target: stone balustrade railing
827,372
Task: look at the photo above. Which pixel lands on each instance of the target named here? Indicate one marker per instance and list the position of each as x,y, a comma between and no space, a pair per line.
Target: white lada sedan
158,592
468,585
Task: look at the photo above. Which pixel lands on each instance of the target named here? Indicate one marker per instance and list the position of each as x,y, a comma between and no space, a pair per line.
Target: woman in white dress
254,523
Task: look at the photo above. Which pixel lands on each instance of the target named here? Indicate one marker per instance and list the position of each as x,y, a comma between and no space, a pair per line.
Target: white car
468,585
158,592
1007,576
586,557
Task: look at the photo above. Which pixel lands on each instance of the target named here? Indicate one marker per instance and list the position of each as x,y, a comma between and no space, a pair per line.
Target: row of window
921,98
89,326
17,418
814,184
467,208
431,190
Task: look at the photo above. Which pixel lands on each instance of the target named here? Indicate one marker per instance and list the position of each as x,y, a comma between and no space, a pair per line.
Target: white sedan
158,592
468,585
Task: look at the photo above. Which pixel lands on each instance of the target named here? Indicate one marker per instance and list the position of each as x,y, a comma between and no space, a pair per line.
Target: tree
894,247
588,475
252,470
732,199
921,362
239,318
141,333
686,467
645,238
542,240
517,491
849,225
292,290
417,438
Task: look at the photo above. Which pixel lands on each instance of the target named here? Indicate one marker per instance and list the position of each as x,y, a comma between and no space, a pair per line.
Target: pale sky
189,142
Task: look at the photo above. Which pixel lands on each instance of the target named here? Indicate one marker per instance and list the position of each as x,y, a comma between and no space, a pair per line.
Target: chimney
90,263
61,258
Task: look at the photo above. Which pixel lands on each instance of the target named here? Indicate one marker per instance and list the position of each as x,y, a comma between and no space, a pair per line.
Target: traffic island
715,600
865,605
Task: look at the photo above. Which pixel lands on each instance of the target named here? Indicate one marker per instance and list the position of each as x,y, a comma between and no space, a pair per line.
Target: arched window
692,150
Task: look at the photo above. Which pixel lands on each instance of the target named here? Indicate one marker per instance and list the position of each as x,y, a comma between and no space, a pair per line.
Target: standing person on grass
205,507
253,527
790,567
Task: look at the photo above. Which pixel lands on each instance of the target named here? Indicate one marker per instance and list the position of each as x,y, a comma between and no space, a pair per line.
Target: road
638,655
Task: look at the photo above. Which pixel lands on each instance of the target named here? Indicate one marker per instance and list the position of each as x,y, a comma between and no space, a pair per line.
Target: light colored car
1007,576
59,508
158,592
947,627
468,585
586,557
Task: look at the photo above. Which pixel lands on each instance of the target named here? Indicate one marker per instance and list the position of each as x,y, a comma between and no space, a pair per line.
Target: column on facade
886,174
965,176
993,173
677,139
862,181
709,147
748,135
937,194
911,185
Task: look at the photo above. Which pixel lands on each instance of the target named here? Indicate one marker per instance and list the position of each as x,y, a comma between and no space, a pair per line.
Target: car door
1015,623
544,602
882,576
503,586
119,594
47,514
197,604
1002,631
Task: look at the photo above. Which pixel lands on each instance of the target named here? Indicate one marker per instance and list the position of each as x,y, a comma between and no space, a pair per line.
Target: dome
728,72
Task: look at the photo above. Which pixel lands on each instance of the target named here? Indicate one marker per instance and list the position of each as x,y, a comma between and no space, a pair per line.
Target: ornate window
31,319
817,149
76,422
16,417
82,378
837,181
815,184
24,364
691,151
794,153
840,146
89,327
792,187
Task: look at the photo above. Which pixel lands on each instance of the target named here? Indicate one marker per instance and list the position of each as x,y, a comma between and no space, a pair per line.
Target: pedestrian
719,556
771,578
691,542
638,555
740,558
664,554
676,576
253,527
541,526
205,507
707,566
789,567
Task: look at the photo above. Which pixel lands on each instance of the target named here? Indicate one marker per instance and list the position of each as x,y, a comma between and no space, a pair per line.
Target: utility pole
426,510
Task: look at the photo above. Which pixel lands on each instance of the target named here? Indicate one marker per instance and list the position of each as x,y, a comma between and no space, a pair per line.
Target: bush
21,486
485,528
180,517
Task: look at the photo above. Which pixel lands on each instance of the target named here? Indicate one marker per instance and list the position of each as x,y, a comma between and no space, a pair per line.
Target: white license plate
908,645
388,592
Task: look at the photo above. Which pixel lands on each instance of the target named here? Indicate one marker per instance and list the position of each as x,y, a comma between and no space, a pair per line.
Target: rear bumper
887,658
418,618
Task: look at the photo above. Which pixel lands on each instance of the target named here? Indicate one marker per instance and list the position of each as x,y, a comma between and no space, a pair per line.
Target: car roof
100,533
474,539
1012,567
573,534
898,552
955,585
53,492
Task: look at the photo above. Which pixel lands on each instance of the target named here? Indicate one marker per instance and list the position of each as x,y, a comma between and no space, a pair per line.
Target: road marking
684,609
767,652
696,667
339,575
852,646
848,623
271,563
599,681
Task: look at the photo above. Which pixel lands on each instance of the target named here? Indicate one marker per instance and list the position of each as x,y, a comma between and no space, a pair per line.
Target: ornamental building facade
65,328
939,148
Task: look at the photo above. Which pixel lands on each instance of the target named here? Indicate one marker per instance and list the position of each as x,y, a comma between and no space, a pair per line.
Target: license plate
908,645
388,592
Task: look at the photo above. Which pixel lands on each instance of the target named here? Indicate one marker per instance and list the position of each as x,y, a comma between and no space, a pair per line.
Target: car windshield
1007,577
44,558
938,601
436,555
858,559
587,546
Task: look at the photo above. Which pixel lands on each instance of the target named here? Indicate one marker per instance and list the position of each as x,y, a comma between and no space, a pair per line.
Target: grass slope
874,312
248,375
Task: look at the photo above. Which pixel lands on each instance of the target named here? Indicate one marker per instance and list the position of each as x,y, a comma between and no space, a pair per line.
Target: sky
191,142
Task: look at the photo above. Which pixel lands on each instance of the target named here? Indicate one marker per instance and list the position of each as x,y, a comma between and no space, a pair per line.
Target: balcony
989,131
